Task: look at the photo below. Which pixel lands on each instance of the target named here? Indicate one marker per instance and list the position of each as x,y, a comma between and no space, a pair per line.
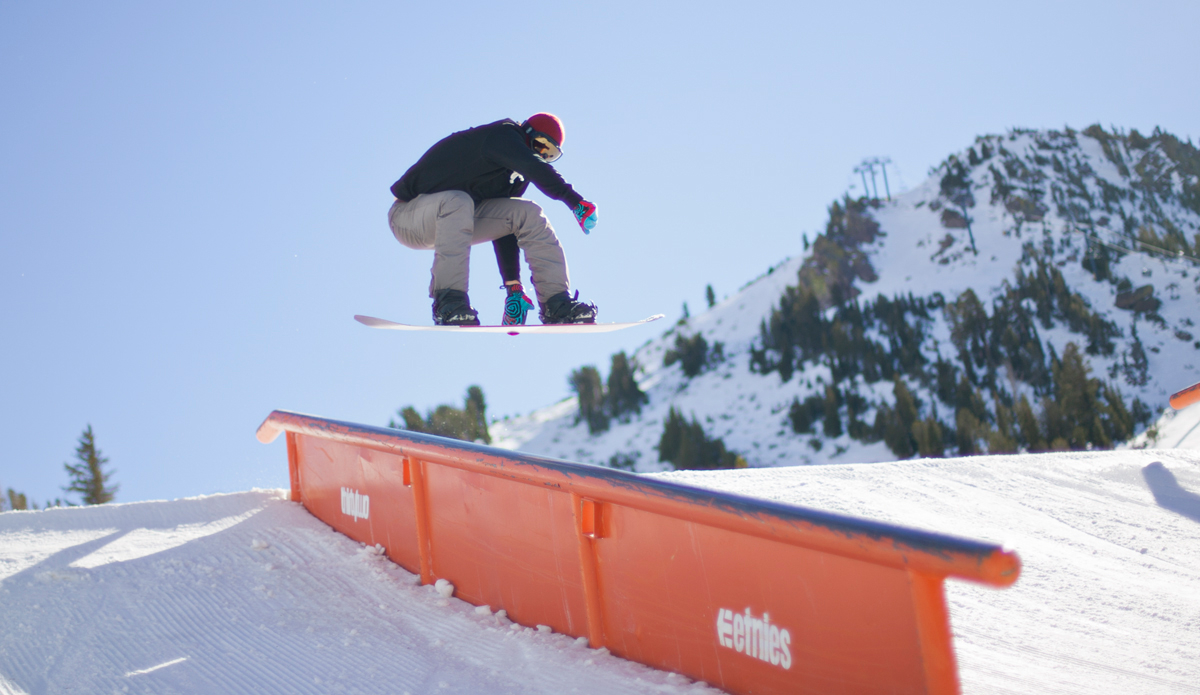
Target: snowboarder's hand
516,306
585,214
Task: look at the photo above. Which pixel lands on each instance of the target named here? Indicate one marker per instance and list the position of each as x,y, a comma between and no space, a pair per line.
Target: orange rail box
1186,397
749,595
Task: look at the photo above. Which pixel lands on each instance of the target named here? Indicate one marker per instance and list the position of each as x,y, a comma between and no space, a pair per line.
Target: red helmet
544,133
546,124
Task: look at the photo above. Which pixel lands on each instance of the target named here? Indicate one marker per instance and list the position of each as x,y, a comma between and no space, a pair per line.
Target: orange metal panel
507,544
680,596
360,492
933,624
293,468
587,530
1186,397
749,595
416,473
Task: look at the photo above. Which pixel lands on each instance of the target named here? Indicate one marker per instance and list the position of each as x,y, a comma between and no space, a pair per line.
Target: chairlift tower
868,165
883,162
862,170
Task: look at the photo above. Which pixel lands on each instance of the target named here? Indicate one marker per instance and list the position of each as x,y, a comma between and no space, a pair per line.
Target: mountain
1037,292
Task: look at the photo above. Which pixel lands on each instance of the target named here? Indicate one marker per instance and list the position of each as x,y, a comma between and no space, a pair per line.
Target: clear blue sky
193,195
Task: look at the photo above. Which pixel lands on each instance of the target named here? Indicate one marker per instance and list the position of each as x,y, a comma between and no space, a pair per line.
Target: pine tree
17,501
710,296
468,424
672,436
88,477
685,445
833,418
929,437
1029,431
804,414
691,353
475,408
586,384
624,395
906,403
968,430
896,426
1003,439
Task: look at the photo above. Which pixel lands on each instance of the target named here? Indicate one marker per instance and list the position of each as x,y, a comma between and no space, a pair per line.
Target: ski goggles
544,147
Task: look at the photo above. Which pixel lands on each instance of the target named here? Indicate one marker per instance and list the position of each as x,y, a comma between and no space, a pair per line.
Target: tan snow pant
451,223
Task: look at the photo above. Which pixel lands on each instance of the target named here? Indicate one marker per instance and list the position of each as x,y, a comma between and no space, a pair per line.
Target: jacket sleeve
507,149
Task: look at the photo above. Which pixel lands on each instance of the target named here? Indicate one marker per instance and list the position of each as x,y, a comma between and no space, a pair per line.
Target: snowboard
511,330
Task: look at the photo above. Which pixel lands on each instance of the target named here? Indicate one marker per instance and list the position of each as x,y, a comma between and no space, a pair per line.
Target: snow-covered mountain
965,293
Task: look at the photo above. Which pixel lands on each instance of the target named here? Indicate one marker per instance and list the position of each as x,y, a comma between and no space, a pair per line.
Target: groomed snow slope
247,593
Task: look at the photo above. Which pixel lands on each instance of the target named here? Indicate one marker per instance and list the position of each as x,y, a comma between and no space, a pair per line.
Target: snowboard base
510,330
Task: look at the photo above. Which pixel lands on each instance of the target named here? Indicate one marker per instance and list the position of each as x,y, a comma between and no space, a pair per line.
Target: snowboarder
465,190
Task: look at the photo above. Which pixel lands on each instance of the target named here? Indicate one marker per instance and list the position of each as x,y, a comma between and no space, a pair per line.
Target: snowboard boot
565,308
516,306
453,308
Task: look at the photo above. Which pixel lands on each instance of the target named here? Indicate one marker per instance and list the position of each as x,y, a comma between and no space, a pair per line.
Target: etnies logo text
355,504
756,637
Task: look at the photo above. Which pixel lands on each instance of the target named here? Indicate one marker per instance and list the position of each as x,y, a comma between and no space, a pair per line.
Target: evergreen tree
685,445
906,403
691,353
475,409
624,462
803,414
1029,431
1134,364
624,395
1003,439
968,431
929,438
468,424
897,426
856,427
672,436
710,296
833,418
589,389
88,477
1084,411
16,501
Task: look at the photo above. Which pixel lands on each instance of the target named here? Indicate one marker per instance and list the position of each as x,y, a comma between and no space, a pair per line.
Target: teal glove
516,306
585,215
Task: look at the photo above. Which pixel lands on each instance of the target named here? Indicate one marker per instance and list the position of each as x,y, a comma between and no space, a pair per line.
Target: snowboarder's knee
452,201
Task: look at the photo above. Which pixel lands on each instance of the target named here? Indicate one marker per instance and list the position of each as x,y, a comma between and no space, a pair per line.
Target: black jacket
490,161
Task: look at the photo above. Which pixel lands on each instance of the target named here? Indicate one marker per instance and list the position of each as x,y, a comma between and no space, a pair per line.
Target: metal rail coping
926,552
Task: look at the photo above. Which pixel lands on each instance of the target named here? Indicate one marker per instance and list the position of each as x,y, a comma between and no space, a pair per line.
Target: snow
1174,430
749,411
248,593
